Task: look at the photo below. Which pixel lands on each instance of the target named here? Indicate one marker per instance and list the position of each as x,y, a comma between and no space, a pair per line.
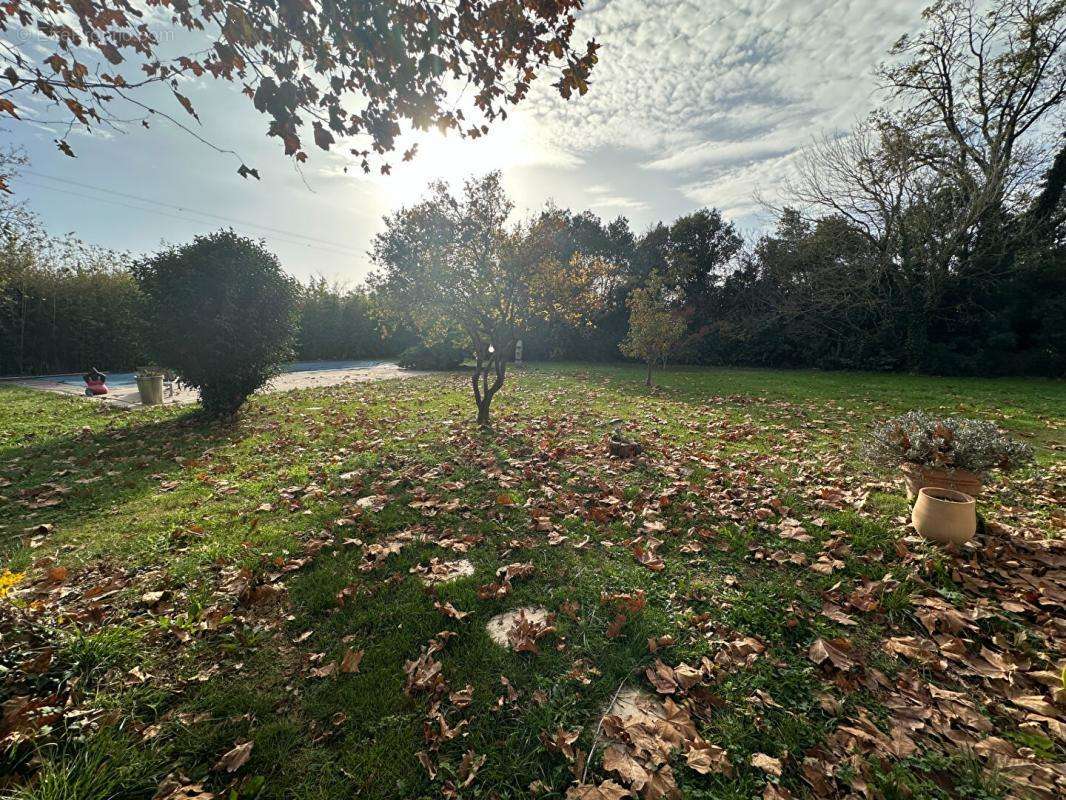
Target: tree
19,228
699,249
454,269
939,182
65,305
584,241
356,70
655,328
220,312
964,138
336,322
975,88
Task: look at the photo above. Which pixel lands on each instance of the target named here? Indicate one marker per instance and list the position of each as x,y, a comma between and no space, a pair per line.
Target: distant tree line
820,294
337,322
932,238
799,296
66,306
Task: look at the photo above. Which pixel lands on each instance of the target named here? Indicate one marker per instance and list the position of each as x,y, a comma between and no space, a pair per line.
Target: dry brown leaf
834,650
768,764
662,678
235,758
775,792
562,742
427,764
448,610
709,758
350,661
469,767
324,671
661,784
617,759
608,790
461,698
173,789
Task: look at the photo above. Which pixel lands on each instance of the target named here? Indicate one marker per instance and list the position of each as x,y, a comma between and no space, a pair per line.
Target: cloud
693,102
718,96
740,192
617,203
725,153
605,198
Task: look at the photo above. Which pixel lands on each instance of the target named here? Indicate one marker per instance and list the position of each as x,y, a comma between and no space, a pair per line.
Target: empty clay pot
944,515
917,476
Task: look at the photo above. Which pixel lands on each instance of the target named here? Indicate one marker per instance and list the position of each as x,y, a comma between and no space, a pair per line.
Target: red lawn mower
94,383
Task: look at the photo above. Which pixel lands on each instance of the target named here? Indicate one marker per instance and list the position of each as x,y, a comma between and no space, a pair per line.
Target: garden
658,510
353,591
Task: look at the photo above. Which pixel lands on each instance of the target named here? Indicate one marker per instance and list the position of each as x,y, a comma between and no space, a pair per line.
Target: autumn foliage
655,329
318,71
455,269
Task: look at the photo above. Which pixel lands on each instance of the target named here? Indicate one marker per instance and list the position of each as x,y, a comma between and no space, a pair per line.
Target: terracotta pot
960,480
944,515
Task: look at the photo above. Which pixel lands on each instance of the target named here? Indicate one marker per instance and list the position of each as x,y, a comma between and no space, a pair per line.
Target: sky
692,104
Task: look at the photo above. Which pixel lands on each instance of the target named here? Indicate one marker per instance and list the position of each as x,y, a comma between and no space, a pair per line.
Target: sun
448,157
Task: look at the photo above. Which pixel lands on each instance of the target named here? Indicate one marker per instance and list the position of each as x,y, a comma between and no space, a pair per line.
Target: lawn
242,610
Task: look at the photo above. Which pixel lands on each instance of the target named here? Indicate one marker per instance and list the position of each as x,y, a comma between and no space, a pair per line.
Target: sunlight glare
508,146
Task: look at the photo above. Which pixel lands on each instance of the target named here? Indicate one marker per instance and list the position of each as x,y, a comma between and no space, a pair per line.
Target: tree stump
619,448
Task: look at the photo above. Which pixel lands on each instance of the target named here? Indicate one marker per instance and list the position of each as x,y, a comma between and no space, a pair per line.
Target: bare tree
975,118
976,88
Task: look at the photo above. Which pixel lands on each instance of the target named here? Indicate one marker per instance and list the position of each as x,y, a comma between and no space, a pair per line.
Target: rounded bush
443,356
220,313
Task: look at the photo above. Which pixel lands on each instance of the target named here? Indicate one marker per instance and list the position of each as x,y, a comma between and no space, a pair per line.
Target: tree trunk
483,413
487,365
647,380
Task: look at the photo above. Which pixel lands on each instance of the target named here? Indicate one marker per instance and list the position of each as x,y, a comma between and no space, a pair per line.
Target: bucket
151,389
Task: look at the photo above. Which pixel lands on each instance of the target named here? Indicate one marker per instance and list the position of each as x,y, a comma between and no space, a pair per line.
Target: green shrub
220,313
438,357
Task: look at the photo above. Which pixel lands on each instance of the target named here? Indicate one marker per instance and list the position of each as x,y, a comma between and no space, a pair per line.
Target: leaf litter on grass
912,649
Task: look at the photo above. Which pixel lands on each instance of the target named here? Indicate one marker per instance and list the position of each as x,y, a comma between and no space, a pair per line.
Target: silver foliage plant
945,443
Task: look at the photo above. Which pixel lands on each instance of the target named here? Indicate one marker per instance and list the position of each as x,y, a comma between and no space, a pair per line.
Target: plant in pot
150,385
944,452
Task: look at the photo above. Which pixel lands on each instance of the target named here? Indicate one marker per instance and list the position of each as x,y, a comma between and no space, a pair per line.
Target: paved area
122,386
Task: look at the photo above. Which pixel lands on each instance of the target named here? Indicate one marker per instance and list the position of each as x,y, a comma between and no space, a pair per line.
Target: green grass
161,501
106,766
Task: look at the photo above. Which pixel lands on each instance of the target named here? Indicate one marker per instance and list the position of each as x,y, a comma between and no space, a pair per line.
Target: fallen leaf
608,790
617,760
767,764
350,661
235,758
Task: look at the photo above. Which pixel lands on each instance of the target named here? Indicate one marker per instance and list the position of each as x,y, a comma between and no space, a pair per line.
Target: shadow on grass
75,477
